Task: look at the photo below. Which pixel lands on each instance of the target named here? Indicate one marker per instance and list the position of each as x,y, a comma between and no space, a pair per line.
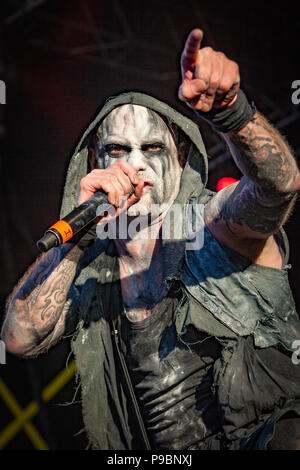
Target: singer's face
140,136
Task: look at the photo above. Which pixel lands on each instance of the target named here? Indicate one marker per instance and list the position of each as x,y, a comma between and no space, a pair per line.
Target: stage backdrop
59,61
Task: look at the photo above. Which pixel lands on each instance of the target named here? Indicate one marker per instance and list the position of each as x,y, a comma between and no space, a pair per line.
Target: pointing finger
190,51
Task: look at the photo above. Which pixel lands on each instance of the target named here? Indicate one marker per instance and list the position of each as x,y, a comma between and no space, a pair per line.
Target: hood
194,175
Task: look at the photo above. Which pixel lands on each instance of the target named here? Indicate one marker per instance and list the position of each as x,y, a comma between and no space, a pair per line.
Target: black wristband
232,118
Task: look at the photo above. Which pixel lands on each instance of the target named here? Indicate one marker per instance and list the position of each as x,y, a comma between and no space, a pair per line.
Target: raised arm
244,215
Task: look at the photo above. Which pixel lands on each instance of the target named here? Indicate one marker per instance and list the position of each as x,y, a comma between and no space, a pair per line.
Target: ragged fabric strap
232,118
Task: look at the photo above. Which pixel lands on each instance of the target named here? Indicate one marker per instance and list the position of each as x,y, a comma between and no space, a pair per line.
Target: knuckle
221,55
113,178
214,82
204,76
115,174
234,66
203,73
208,50
112,170
112,167
225,85
121,166
132,174
122,163
83,182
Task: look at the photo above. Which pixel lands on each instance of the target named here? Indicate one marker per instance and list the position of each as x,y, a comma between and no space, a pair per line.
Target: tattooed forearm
38,308
242,208
264,156
264,198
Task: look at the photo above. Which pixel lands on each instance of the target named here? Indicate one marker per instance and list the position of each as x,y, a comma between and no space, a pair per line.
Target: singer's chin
142,207
139,209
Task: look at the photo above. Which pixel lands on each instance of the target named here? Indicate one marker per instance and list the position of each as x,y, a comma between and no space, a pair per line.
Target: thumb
190,89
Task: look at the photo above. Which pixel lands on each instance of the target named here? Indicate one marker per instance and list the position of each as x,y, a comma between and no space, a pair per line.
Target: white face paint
141,137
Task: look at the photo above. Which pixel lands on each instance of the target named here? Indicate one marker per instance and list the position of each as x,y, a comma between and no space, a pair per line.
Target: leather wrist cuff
232,118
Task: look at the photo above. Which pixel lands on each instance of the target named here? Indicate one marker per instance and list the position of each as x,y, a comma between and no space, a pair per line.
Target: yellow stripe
14,427
30,430
35,436
32,409
59,382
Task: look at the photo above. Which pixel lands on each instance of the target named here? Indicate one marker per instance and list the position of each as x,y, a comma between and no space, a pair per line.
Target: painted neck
143,238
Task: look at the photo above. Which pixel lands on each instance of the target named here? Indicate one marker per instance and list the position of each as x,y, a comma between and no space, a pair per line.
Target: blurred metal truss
115,47
20,8
105,46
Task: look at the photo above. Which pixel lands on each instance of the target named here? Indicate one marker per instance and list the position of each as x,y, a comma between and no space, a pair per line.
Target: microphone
75,221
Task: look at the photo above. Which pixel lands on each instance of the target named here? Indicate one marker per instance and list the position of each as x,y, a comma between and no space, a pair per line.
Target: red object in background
223,182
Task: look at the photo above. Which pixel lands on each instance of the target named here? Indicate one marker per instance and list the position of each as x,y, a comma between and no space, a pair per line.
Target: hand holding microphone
98,188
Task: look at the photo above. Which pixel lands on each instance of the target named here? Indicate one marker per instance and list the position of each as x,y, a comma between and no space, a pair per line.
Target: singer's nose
137,160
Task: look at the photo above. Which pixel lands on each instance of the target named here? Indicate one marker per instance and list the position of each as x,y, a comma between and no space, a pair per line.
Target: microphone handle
74,222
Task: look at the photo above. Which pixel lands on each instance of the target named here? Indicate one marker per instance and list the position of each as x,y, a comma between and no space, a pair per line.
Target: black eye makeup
153,147
116,150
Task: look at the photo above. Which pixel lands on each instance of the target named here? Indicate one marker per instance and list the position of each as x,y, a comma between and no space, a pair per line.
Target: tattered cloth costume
216,353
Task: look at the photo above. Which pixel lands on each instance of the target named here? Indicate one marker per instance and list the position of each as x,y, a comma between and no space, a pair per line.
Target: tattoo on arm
242,207
38,309
265,196
266,158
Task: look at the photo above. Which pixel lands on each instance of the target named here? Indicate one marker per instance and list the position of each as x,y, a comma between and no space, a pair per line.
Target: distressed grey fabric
266,309
172,375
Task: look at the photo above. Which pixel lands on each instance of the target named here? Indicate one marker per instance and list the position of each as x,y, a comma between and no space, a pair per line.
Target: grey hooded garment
247,307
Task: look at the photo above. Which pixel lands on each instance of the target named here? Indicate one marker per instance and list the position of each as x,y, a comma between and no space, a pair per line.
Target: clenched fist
117,181
209,78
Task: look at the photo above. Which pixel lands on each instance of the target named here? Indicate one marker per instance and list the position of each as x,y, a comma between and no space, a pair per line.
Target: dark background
60,60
